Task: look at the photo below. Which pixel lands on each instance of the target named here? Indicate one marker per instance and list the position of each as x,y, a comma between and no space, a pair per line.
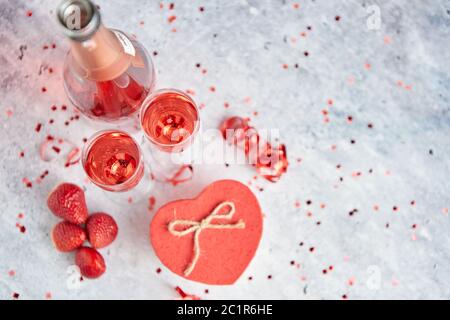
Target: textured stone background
395,78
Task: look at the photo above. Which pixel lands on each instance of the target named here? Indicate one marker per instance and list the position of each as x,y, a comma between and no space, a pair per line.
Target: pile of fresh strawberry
67,201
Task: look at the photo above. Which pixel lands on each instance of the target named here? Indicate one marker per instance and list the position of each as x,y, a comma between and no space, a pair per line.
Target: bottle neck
104,56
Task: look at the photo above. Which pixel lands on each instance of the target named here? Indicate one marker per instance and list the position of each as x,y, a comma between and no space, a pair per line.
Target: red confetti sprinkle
158,270
15,295
186,296
191,92
151,202
73,157
171,19
56,149
11,273
38,127
29,13
27,182
351,281
185,173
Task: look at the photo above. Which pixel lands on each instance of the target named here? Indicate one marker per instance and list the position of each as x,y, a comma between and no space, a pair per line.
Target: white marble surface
396,77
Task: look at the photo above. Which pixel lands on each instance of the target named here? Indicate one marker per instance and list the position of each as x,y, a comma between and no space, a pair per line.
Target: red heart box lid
224,252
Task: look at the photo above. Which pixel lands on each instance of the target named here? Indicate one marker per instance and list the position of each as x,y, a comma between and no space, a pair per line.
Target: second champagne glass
170,121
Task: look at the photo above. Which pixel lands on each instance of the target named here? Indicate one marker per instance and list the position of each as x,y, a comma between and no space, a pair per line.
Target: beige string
197,227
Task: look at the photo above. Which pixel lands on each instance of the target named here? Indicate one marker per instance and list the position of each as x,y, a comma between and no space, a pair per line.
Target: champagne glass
170,120
113,161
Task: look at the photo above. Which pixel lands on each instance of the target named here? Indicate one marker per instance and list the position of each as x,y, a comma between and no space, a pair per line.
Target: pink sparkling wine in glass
170,119
113,161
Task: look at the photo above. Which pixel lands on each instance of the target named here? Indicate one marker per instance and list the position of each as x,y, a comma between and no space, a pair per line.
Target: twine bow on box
198,226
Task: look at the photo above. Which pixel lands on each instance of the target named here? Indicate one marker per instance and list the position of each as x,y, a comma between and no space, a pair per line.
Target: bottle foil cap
79,19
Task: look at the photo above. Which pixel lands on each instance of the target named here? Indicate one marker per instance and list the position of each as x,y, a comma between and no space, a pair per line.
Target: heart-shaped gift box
212,238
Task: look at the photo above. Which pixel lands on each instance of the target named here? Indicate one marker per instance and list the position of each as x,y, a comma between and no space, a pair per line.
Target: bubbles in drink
170,118
112,158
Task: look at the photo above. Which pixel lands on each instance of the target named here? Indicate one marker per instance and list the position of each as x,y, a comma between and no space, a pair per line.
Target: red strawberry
67,201
67,236
90,262
101,229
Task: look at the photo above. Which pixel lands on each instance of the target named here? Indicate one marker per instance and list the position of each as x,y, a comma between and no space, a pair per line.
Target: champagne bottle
106,74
